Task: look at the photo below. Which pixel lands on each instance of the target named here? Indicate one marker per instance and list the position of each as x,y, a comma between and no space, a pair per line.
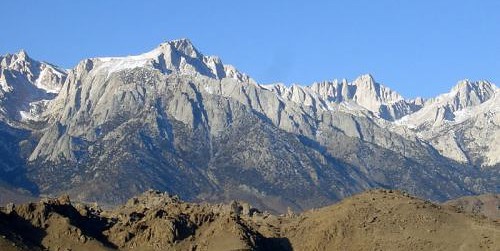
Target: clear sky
418,48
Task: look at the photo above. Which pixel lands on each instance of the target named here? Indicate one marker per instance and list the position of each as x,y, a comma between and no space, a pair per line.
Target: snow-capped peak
365,79
452,107
185,46
30,81
43,75
364,93
21,55
472,93
21,62
176,56
464,94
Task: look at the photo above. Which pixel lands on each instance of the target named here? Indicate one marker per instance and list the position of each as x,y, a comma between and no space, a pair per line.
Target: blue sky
418,48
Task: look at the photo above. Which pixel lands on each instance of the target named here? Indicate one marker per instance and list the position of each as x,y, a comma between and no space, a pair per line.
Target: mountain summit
177,56
362,94
26,85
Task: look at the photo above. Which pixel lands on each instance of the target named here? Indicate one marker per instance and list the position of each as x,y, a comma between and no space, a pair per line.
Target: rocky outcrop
386,219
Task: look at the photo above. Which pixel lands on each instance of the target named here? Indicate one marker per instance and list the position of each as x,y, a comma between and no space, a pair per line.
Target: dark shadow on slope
277,244
341,166
90,225
12,164
19,230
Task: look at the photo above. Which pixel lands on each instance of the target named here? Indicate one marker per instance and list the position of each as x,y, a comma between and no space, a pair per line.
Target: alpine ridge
176,120
26,85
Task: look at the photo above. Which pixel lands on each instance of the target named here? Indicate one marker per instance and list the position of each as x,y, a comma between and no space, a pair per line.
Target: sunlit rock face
176,120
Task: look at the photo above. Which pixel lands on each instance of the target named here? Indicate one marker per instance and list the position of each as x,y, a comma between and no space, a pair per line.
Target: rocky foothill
372,220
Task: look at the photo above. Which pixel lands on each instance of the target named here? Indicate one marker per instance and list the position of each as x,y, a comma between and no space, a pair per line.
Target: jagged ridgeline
175,120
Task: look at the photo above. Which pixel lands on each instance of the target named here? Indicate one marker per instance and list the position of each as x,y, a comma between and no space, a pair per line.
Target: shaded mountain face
176,120
386,219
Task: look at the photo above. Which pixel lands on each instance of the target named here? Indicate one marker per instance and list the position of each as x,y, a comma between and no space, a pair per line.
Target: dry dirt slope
385,220
373,220
486,204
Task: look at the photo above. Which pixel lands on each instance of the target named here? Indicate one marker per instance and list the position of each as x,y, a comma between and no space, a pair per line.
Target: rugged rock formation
380,219
26,86
463,125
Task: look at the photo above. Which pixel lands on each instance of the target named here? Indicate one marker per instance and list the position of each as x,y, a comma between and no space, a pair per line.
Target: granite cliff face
176,120
463,124
363,94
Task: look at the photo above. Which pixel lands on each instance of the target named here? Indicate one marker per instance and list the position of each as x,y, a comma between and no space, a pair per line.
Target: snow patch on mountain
452,107
27,86
115,64
362,94
5,87
45,80
177,56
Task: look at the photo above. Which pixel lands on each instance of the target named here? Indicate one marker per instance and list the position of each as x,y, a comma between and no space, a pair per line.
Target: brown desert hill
390,220
373,220
486,204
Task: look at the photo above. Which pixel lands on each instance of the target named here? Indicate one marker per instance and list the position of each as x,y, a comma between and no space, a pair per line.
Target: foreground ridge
380,219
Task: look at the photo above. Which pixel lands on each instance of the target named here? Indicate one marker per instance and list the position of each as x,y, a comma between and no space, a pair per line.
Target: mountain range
175,120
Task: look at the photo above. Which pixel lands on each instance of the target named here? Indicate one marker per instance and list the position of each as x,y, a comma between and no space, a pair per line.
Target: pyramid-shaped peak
181,42
462,85
466,93
466,86
19,60
366,82
365,79
183,45
22,54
